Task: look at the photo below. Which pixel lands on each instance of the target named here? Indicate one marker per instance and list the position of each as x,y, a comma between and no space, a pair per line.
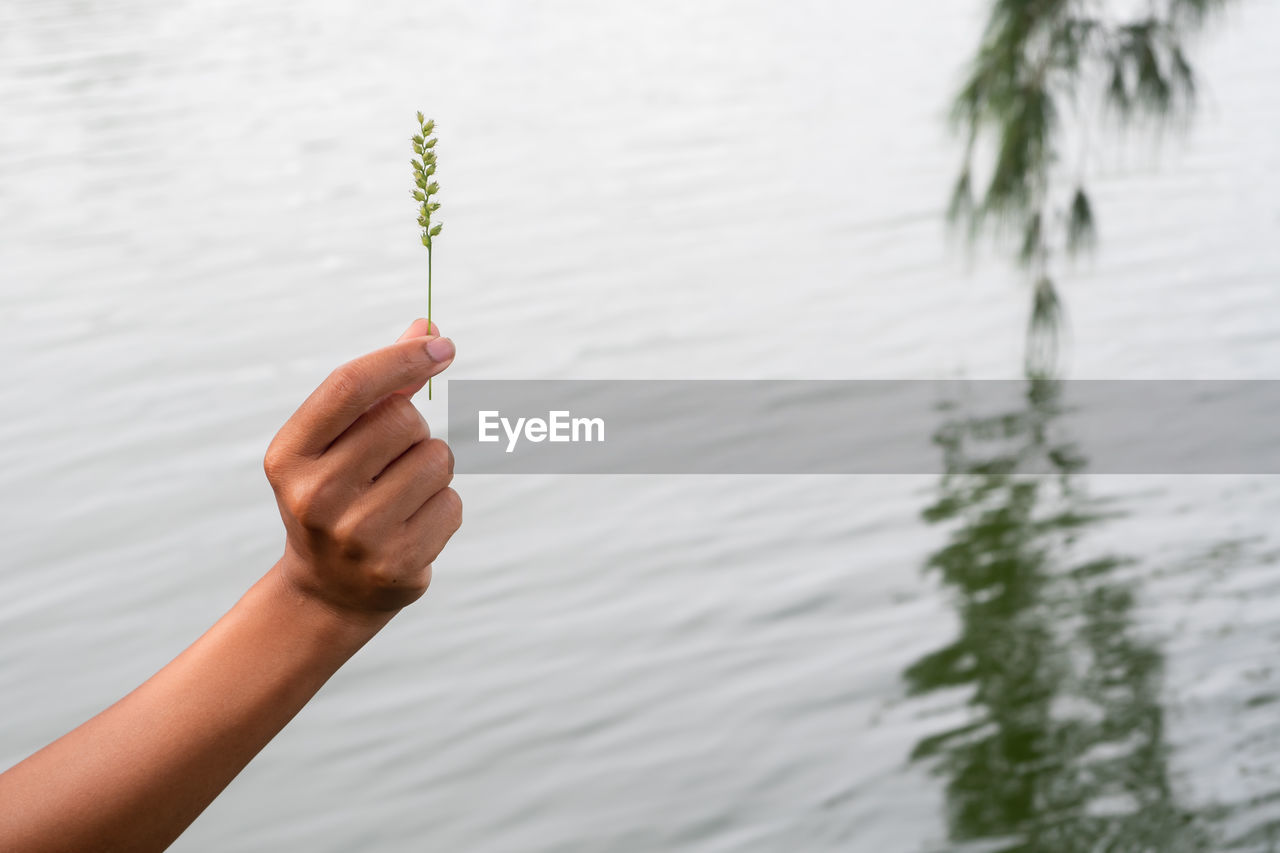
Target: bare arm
363,492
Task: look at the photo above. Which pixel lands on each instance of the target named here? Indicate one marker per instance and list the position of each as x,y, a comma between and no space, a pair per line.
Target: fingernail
440,349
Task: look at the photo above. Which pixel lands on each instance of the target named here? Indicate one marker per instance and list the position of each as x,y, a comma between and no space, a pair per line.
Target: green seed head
424,166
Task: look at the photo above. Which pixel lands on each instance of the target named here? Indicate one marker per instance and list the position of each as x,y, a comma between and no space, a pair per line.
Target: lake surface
204,207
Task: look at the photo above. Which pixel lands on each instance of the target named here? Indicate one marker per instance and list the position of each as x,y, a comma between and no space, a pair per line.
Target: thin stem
428,308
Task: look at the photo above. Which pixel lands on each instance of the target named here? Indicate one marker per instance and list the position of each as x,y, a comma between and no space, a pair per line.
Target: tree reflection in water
1064,749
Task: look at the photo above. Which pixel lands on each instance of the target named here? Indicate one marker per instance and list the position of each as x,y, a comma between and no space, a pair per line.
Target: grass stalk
424,167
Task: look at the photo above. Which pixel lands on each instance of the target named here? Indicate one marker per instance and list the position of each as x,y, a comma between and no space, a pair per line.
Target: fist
362,487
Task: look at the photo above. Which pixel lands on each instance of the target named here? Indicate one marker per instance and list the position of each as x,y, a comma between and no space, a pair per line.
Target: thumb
417,329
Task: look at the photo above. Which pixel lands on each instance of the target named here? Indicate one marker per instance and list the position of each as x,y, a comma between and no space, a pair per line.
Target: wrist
309,606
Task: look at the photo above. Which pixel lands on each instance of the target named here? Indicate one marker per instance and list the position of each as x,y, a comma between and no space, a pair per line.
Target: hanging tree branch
1045,68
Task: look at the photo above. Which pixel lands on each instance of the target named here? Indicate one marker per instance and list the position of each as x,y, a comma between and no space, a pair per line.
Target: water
203,207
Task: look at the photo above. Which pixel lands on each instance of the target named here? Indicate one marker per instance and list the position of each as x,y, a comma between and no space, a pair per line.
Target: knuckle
384,574
354,536
312,519
312,501
347,380
402,417
437,458
401,580
273,465
452,507
402,413
296,497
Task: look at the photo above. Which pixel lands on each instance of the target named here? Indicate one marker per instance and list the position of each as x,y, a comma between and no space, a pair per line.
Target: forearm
363,492
136,775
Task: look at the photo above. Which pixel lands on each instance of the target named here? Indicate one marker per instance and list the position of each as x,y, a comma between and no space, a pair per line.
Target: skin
363,491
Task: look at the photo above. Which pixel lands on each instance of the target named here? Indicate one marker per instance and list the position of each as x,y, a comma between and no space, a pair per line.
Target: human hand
361,485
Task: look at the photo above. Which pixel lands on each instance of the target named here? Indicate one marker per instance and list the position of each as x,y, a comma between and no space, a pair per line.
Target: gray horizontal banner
863,426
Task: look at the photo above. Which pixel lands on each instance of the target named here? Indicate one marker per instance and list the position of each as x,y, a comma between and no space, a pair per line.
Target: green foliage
1043,328
1081,233
1054,687
1043,69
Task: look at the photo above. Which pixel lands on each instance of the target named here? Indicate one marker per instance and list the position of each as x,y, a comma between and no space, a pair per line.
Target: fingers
389,428
363,489
355,386
412,479
417,328
435,522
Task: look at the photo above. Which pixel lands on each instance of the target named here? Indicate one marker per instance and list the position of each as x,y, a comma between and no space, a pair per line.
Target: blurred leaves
1045,71
1081,233
1054,732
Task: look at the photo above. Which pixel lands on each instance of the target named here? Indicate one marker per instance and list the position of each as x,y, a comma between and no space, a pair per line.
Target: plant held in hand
424,167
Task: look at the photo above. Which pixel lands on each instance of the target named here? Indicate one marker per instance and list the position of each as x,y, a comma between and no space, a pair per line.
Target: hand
363,490
362,487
